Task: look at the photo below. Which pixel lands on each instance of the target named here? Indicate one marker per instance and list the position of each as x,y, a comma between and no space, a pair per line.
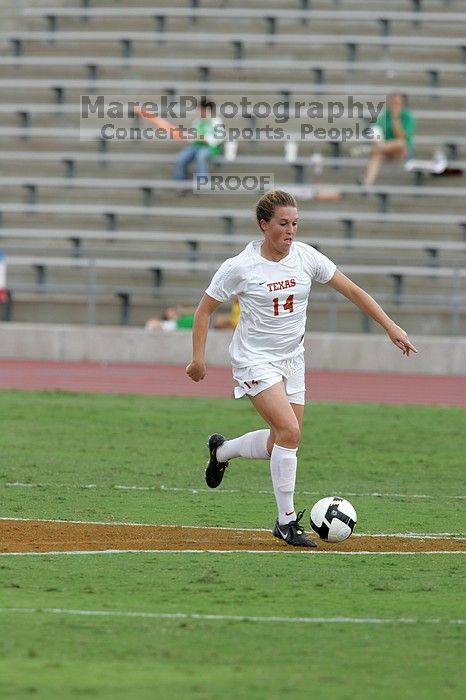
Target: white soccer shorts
252,380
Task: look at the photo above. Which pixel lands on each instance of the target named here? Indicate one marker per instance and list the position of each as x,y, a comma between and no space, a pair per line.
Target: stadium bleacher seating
206,69
151,188
95,231
270,16
299,167
239,41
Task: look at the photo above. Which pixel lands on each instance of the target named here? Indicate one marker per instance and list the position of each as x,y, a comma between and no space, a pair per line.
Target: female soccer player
272,279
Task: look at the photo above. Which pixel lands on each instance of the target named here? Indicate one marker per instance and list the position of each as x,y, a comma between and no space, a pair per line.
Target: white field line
264,492
233,618
308,553
409,535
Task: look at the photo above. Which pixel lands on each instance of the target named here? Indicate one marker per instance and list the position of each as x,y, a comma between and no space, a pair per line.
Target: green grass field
140,459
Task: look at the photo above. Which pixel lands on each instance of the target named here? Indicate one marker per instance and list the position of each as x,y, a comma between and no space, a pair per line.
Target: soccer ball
333,519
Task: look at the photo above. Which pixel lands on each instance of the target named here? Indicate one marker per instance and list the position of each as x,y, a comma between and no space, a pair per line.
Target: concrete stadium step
412,79
282,173
250,158
144,192
395,5
437,318
147,192
140,274
154,47
242,20
102,245
63,308
45,91
313,220
12,137
134,200
247,229
374,241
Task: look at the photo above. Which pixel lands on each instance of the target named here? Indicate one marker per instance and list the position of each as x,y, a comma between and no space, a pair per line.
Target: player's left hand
400,338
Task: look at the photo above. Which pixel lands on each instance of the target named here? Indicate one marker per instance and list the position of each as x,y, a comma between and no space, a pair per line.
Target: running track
119,378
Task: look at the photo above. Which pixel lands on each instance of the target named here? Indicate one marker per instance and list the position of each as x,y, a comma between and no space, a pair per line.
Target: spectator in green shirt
179,317
206,146
397,124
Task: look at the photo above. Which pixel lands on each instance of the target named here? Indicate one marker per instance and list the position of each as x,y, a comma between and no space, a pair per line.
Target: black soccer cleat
293,533
215,469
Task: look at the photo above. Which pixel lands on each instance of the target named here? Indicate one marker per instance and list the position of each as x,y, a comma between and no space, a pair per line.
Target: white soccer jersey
273,300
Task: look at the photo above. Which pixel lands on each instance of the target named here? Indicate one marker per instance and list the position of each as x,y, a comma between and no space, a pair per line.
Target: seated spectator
173,318
204,148
181,317
397,124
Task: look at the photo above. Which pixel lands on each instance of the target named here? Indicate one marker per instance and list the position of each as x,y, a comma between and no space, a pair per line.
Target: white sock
283,465
251,445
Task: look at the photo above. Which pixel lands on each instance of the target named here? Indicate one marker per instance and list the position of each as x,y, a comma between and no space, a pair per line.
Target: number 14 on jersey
287,306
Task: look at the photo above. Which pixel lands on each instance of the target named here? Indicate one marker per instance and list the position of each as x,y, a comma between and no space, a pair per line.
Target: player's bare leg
257,444
273,405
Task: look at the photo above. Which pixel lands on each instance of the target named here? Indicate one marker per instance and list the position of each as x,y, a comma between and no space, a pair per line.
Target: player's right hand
196,370
400,338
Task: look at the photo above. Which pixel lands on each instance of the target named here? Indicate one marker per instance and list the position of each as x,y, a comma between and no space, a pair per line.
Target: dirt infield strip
39,536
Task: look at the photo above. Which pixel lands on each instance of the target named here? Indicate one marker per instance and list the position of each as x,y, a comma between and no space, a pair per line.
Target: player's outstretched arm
366,303
196,368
